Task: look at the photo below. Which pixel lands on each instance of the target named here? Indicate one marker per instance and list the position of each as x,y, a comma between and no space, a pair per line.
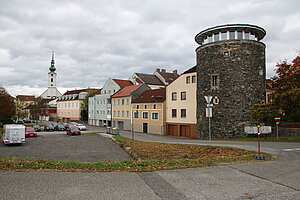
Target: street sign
208,99
277,118
208,112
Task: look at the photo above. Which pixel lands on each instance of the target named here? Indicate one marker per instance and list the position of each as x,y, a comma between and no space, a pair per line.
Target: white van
14,134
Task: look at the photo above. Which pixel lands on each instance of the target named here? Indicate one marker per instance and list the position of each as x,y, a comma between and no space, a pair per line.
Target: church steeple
52,67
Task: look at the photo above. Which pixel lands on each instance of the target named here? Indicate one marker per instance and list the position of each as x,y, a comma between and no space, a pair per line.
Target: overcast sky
95,40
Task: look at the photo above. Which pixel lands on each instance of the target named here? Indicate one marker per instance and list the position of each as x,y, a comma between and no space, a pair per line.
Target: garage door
172,130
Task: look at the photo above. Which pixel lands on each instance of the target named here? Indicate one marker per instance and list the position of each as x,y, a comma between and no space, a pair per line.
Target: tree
85,105
264,113
7,106
287,75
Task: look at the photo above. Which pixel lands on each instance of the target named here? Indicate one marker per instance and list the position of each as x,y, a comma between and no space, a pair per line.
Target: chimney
157,69
163,70
175,72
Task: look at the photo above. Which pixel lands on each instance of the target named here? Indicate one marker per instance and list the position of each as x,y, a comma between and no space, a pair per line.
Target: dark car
66,125
59,127
49,127
73,130
30,132
37,127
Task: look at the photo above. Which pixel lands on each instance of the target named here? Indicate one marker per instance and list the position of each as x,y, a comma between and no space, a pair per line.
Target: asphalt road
279,179
60,146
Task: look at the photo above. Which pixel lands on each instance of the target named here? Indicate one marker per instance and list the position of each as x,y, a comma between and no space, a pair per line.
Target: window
154,106
127,113
118,113
216,37
188,79
127,101
118,101
231,35
145,106
123,101
247,35
210,38
226,53
154,115
97,112
224,36
183,113
145,115
239,35
174,113
137,106
194,79
114,102
174,96
123,113
114,113
136,115
51,79
108,101
183,95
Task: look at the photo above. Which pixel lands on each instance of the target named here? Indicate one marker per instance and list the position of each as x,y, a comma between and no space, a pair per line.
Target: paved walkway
279,179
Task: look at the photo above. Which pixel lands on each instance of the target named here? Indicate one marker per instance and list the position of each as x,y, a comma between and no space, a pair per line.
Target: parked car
49,127
29,131
59,127
19,121
27,120
72,123
37,127
73,130
112,131
66,125
81,127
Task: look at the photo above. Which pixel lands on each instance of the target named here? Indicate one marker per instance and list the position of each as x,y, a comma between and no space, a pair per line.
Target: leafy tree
85,106
289,103
7,106
264,113
287,75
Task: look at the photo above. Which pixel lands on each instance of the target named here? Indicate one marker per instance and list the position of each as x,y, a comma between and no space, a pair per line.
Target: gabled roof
191,70
79,91
25,97
152,96
168,76
126,91
149,79
123,83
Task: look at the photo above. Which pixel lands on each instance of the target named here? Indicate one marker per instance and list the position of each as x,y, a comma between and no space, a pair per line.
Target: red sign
277,118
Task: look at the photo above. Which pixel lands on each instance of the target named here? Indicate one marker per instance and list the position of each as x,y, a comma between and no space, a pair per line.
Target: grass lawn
147,156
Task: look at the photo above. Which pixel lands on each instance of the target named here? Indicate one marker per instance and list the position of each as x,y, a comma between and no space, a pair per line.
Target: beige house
69,104
181,105
149,112
121,105
23,102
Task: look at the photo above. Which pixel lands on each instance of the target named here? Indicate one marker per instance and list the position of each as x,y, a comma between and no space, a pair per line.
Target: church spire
52,67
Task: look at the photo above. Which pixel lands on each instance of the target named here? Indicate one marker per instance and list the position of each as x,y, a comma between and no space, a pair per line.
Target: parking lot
60,146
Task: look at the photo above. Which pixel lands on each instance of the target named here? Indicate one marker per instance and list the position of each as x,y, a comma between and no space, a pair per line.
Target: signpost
277,119
209,114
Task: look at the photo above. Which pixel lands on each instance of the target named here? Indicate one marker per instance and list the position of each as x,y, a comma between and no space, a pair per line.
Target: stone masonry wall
240,70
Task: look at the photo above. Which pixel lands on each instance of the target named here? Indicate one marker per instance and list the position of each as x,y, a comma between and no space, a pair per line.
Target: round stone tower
231,69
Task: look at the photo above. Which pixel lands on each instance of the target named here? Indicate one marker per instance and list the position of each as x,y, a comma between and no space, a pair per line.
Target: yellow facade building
149,112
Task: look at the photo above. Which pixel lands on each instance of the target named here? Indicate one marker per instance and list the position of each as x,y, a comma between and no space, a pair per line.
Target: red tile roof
169,77
126,91
123,83
152,96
